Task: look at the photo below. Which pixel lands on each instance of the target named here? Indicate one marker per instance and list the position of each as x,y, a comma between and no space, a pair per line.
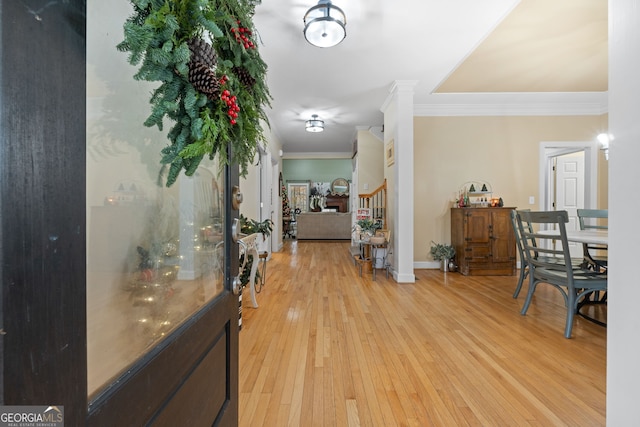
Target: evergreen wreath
214,94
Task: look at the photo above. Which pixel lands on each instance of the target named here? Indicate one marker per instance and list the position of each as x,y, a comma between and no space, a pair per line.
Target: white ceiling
459,52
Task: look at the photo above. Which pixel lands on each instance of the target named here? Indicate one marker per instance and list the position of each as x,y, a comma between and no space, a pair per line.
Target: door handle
235,230
236,285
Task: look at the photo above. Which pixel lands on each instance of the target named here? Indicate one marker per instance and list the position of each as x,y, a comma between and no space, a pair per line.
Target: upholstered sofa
324,225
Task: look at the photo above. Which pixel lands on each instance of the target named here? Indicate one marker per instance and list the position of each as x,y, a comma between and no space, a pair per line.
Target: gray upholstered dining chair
549,261
594,255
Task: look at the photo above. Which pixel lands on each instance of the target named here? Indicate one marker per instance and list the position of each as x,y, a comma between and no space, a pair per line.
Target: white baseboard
423,265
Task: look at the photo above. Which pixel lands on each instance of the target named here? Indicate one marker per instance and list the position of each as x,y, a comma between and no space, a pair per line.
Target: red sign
363,213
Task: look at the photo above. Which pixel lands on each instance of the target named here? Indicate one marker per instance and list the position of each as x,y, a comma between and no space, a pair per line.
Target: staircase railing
377,202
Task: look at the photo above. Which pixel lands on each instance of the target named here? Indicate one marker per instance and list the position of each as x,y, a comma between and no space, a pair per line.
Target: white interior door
570,190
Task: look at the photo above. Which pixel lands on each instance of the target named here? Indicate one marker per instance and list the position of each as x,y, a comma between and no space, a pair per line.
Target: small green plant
250,226
440,251
368,225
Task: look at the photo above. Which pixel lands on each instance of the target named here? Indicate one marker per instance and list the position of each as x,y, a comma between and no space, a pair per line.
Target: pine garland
209,116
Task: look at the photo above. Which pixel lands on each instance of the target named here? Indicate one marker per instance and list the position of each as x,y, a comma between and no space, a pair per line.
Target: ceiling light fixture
324,24
315,124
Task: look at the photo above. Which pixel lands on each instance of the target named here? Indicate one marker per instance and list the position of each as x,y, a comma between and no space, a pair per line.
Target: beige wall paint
603,182
370,162
503,151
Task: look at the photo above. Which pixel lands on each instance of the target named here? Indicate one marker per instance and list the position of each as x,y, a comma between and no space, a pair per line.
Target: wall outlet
532,200
365,186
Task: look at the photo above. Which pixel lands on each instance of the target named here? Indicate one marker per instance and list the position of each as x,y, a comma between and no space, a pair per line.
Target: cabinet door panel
478,253
503,240
477,227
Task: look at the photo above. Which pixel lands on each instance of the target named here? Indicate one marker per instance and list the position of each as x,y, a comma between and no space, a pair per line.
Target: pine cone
202,52
244,77
204,80
141,14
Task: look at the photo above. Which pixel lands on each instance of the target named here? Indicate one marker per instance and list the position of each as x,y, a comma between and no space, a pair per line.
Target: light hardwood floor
329,348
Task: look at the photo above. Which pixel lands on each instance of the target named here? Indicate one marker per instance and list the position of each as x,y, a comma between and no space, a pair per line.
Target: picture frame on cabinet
388,153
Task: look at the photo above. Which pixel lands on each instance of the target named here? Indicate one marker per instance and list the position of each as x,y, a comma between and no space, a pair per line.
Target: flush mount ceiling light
315,124
324,24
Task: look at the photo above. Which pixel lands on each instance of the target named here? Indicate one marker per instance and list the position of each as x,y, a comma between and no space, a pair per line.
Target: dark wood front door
117,301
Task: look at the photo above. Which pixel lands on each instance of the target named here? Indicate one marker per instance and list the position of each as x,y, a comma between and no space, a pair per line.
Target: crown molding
514,104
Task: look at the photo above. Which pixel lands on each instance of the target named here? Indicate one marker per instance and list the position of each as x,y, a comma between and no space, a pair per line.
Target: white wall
623,331
250,187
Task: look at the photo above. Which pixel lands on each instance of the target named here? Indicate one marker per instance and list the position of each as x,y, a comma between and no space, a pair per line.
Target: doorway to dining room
568,179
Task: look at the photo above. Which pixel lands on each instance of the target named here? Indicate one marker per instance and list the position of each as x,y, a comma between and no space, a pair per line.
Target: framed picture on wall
388,153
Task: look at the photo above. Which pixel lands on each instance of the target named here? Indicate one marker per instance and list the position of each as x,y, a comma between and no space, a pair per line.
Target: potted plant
444,253
250,226
367,228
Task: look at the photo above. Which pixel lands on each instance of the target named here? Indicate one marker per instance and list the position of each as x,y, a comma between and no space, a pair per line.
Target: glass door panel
299,196
155,256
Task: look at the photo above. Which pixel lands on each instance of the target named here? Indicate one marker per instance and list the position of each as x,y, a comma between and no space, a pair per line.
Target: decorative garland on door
204,53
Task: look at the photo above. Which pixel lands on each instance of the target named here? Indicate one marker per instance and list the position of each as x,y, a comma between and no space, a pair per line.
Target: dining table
590,236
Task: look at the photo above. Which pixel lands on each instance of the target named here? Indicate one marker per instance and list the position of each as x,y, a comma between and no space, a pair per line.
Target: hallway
329,348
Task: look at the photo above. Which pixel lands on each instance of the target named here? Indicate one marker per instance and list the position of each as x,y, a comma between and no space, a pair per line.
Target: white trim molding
514,104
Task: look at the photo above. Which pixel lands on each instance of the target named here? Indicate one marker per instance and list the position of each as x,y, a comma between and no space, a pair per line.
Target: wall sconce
604,140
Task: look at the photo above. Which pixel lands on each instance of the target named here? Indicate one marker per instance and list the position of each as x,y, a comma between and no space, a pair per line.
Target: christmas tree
286,210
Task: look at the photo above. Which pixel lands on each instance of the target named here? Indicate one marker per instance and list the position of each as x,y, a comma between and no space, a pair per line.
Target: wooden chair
552,264
594,255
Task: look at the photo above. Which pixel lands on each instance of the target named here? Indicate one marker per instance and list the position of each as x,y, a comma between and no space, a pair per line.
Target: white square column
398,122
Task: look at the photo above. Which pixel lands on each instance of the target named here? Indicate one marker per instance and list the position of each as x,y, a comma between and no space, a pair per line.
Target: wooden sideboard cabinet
484,241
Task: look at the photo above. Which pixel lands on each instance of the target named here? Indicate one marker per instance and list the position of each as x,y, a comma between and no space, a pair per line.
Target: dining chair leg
572,308
523,275
527,301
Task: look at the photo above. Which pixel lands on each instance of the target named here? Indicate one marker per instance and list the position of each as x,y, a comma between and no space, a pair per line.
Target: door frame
276,206
550,149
